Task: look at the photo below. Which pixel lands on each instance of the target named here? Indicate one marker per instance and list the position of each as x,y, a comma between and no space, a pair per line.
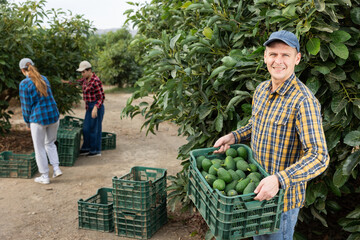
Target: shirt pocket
283,116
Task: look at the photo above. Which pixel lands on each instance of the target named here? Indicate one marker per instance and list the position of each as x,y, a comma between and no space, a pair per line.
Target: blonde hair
39,82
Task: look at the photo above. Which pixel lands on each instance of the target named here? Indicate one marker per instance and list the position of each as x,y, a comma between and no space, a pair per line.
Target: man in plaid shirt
285,130
93,95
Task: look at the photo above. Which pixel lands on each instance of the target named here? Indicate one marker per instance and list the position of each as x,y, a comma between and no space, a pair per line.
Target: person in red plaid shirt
93,95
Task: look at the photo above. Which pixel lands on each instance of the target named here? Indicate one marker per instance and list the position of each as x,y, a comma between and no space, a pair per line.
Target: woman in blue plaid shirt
41,114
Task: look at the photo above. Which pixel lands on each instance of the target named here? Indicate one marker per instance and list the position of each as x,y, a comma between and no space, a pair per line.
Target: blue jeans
92,129
287,226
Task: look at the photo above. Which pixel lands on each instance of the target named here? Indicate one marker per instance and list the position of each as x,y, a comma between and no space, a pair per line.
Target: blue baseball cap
287,37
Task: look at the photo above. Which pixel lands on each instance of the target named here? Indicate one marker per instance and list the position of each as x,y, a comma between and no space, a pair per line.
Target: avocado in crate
229,208
141,189
17,165
108,141
96,212
232,174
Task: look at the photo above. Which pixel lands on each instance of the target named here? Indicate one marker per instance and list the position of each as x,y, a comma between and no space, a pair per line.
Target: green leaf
355,54
354,214
289,11
332,139
186,4
318,216
356,110
340,50
207,32
340,36
128,11
241,95
154,53
321,69
339,178
337,74
228,61
219,122
351,162
355,15
212,20
313,84
217,71
194,6
320,5
153,41
313,46
338,103
174,40
204,111
352,138
310,196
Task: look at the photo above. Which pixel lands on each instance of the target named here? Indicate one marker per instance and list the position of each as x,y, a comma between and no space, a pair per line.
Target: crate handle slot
254,204
92,209
129,215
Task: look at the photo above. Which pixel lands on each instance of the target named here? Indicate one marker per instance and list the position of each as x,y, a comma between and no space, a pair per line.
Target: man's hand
224,143
94,112
267,188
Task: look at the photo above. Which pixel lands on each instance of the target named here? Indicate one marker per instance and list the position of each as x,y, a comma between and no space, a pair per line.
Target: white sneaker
42,180
93,155
57,173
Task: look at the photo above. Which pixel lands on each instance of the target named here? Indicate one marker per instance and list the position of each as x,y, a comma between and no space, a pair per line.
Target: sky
104,14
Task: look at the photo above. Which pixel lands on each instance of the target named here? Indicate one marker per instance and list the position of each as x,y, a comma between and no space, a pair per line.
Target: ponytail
39,82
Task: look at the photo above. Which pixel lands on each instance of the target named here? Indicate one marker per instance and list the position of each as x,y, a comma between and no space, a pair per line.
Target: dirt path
32,211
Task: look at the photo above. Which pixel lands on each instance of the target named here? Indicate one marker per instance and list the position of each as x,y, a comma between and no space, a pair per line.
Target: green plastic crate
234,217
96,212
17,165
108,141
70,121
139,224
141,189
68,145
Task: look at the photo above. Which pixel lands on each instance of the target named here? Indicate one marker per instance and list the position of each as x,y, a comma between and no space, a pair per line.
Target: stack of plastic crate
140,202
17,165
68,140
96,212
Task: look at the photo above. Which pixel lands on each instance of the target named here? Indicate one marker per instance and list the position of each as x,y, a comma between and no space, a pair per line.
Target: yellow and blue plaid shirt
287,137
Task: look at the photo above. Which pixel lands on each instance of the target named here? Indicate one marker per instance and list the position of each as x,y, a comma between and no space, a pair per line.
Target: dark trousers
92,129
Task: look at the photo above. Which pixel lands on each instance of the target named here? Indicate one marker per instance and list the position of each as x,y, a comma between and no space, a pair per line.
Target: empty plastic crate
70,121
96,212
108,141
17,165
68,145
234,217
141,189
139,224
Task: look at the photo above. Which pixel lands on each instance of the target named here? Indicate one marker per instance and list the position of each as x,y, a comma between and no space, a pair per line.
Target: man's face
280,60
86,73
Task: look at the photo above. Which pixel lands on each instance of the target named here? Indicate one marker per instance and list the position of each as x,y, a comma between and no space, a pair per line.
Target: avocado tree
114,61
203,60
56,51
